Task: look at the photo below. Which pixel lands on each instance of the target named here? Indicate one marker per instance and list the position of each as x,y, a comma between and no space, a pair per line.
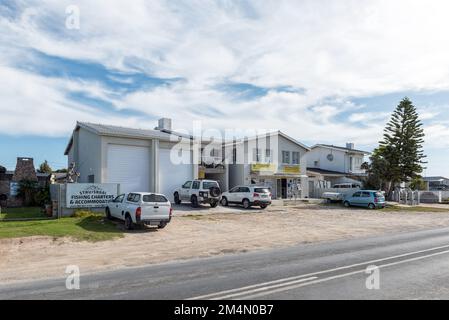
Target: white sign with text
90,195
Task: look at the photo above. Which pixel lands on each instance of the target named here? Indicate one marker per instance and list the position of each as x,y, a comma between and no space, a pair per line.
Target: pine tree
403,144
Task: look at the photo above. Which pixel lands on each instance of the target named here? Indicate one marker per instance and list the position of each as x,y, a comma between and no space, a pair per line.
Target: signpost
90,195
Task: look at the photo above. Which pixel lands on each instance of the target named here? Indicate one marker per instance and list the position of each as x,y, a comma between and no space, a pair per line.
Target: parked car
247,196
141,208
199,192
366,198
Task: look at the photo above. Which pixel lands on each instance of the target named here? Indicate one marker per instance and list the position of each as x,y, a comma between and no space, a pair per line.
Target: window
196,185
268,156
119,198
295,157
154,198
351,163
261,190
244,189
366,195
357,195
215,153
233,190
286,157
257,155
187,185
91,178
133,197
209,184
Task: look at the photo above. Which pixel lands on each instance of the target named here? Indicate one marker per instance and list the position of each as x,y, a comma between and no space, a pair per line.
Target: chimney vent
350,145
164,124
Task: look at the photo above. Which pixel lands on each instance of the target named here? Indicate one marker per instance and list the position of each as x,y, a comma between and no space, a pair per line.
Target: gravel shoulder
205,233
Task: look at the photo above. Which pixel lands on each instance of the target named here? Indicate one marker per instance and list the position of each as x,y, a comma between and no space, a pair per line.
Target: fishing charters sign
90,195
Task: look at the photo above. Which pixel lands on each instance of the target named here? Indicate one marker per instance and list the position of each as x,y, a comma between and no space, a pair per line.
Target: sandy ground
204,233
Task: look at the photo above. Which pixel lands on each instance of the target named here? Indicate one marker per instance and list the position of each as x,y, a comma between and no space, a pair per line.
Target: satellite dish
330,157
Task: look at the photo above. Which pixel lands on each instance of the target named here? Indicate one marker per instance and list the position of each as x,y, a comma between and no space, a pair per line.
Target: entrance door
281,190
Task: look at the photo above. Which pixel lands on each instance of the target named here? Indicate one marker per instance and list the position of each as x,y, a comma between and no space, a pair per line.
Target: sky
321,71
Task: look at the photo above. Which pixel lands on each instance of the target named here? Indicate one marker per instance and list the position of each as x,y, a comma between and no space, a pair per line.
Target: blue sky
321,71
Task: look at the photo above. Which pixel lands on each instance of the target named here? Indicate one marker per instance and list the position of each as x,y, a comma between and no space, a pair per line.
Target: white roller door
129,166
172,176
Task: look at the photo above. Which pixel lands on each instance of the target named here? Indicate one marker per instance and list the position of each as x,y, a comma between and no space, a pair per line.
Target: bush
42,196
82,213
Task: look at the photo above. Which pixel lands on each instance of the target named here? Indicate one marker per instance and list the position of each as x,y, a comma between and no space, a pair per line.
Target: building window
91,178
268,156
257,155
286,157
351,163
295,157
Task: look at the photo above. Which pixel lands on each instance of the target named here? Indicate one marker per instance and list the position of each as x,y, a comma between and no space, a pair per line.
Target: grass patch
85,227
414,209
22,213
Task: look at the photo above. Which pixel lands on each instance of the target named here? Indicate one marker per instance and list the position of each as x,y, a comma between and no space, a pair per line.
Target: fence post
440,197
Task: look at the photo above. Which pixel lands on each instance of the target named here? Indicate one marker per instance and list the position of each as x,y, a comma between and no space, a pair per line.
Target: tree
27,190
400,155
45,168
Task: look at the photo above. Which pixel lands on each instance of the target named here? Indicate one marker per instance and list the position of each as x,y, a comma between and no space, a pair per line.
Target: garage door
129,166
172,176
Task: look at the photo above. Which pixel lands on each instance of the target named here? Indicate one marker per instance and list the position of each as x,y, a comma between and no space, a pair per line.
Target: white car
199,191
141,208
247,196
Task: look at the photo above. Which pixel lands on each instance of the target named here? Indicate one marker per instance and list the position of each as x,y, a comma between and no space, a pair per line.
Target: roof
330,146
117,131
326,172
273,134
437,178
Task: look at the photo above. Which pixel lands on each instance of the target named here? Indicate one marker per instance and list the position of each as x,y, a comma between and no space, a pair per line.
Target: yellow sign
201,173
294,169
263,167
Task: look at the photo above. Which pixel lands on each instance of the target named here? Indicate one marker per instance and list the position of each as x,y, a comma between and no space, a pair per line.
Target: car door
365,198
244,193
116,206
355,199
232,194
185,190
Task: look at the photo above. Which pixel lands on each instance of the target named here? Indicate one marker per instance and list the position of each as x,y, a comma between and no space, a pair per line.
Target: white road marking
341,276
280,281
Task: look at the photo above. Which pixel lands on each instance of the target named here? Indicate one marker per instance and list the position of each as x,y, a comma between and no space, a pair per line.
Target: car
199,192
247,196
366,198
141,208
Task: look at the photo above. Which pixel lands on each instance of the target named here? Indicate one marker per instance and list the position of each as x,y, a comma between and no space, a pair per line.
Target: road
412,265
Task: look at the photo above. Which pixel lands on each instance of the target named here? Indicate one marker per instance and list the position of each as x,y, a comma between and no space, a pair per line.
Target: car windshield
261,190
209,184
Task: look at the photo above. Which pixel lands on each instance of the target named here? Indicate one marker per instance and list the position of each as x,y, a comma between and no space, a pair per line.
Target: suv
199,191
247,196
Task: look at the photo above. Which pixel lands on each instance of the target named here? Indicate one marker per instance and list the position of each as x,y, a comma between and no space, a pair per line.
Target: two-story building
274,160
328,165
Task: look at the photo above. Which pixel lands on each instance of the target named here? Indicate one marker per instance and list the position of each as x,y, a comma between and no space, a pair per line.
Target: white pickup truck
140,208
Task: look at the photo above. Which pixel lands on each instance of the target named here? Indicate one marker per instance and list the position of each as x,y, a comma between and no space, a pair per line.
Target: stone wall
25,170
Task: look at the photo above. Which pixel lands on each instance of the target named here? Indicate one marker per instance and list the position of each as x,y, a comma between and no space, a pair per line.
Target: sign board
291,169
90,195
263,167
14,189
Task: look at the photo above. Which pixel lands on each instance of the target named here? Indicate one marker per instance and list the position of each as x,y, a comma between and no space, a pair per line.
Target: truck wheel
213,204
224,202
177,200
108,214
246,204
162,225
194,201
129,223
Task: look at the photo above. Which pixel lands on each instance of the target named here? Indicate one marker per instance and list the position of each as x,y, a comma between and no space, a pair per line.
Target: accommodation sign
89,195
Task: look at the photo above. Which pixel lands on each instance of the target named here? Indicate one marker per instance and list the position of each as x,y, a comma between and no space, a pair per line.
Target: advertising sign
263,167
90,195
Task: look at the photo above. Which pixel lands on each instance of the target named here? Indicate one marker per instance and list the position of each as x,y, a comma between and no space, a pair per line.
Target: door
155,207
355,199
130,167
284,188
116,206
185,190
232,196
171,175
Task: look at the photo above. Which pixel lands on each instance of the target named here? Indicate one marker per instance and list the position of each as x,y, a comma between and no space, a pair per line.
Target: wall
87,155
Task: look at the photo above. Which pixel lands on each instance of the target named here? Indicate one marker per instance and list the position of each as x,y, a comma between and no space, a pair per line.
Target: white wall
87,155
341,162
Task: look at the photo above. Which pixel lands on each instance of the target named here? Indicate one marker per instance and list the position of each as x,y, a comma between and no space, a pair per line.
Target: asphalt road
410,266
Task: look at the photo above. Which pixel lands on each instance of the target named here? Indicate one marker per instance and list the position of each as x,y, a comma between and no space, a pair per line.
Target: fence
411,197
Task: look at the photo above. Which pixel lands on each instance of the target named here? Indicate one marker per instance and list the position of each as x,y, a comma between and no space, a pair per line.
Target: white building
137,159
274,160
328,165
